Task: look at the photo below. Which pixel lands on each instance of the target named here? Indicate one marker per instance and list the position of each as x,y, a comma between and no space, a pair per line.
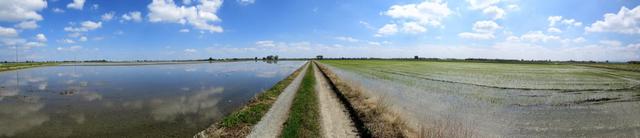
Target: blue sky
188,29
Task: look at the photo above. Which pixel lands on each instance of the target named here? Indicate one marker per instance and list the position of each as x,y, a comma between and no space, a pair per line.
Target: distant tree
319,57
275,57
210,59
416,57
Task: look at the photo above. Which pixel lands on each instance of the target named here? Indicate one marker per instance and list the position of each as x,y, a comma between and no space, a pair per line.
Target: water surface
172,100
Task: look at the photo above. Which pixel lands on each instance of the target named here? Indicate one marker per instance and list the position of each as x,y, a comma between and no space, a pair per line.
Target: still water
172,100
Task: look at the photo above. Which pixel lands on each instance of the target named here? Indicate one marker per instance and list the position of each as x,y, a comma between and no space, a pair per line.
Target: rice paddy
500,99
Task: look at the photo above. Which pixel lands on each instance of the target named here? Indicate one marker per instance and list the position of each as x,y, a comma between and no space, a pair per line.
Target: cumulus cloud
483,30
201,16
27,25
41,38
553,20
135,16
84,27
424,13
21,10
76,4
387,29
626,21
184,30
497,13
481,4
8,32
486,26
413,27
534,36
554,30
107,16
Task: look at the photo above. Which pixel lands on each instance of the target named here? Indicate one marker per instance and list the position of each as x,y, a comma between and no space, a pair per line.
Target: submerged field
498,99
165,100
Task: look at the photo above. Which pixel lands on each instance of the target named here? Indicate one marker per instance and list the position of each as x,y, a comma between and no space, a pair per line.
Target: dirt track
335,121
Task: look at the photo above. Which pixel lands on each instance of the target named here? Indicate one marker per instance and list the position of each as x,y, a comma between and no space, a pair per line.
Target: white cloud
30,45
625,21
513,7
68,41
246,2
200,16
135,16
27,25
82,39
554,30
265,43
184,30
497,13
477,36
611,42
483,30
425,13
76,4
107,16
579,40
190,50
84,27
366,25
481,4
387,29
413,27
21,10
41,38
486,26
71,48
534,36
57,10
571,22
8,32
553,20
346,38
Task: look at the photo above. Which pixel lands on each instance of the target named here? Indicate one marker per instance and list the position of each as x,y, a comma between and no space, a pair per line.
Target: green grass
304,117
253,112
502,75
14,66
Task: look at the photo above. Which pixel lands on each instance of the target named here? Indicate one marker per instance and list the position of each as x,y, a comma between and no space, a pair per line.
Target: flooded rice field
172,100
504,100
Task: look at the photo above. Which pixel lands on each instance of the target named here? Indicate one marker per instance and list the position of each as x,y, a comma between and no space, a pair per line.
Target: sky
43,30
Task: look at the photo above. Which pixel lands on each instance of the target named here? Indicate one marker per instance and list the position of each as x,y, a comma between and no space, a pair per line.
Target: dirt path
271,123
335,121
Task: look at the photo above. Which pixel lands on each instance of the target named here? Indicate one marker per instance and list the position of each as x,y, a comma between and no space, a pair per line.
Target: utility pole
16,53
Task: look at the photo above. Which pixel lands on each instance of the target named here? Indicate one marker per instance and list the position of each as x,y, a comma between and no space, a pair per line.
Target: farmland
499,99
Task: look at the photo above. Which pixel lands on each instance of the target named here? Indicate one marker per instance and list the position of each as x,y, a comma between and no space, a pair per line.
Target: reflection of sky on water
176,100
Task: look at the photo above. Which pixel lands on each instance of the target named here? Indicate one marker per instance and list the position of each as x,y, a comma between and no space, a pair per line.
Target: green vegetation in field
304,116
498,75
616,66
14,66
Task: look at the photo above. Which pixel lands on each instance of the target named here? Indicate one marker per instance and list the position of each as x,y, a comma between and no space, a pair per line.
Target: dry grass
239,123
377,119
